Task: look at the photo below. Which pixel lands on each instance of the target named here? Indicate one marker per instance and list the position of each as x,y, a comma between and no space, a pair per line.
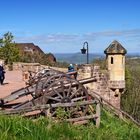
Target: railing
118,112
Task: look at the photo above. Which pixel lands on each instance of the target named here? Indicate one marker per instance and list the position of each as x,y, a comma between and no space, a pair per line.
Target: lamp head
83,50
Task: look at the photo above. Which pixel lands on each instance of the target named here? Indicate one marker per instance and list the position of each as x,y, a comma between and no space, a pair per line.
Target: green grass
112,128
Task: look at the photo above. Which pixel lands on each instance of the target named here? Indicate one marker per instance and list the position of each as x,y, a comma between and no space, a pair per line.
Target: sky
62,26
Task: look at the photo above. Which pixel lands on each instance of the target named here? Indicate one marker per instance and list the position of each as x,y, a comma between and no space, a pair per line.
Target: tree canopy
8,52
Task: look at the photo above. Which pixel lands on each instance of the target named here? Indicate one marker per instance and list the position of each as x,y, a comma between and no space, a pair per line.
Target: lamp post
83,51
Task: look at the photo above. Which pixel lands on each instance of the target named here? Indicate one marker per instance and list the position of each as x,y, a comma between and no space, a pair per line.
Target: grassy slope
18,128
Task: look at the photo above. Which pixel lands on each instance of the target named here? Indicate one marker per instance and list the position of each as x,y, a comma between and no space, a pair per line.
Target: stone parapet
85,71
117,84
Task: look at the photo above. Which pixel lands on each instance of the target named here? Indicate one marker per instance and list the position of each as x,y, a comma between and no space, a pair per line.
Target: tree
130,100
8,51
101,62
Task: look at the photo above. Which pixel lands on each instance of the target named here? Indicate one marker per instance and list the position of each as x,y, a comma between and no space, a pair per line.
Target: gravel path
13,81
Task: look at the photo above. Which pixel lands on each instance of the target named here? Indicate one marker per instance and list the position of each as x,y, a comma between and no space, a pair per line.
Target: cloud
114,33
60,37
50,38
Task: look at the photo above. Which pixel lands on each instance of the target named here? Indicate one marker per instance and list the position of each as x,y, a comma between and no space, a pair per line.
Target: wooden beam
98,113
82,118
41,107
107,105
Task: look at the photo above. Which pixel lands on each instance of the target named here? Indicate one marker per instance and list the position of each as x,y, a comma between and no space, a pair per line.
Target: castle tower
115,57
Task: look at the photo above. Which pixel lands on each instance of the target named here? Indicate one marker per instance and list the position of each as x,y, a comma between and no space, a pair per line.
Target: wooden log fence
73,104
118,112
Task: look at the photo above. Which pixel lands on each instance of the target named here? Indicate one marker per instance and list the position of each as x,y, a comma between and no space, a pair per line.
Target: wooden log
81,122
74,83
30,89
18,94
82,118
41,107
98,113
91,108
106,105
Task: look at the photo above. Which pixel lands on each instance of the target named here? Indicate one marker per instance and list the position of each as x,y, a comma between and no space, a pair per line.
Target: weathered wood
17,94
91,108
98,112
41,107
30,89
74,83
106,105
81,122
82,118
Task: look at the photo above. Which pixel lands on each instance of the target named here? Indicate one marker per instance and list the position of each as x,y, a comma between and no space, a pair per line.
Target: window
111,60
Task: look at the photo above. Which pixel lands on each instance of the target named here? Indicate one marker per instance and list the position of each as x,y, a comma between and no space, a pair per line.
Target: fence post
98,113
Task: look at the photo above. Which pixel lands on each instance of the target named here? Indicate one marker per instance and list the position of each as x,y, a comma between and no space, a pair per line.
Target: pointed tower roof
115,48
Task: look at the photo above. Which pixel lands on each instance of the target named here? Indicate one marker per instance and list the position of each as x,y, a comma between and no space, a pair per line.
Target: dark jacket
70,68
2,71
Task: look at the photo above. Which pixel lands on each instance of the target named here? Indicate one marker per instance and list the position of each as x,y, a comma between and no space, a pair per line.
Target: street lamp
83,51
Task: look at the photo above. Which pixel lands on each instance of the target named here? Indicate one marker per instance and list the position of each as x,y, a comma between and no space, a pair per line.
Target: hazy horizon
78,58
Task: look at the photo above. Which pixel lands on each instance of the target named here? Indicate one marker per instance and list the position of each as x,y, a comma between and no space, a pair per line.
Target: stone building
26,48
110,84
29,49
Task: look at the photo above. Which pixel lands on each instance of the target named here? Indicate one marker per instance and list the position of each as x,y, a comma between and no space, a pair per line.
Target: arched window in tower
112,60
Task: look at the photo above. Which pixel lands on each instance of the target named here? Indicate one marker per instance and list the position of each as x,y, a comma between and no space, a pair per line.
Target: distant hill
76,58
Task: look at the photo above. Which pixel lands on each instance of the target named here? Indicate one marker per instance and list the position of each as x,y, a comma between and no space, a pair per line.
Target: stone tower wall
102,84
116,67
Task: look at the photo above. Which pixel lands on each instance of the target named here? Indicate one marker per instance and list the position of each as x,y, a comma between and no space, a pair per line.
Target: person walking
2,74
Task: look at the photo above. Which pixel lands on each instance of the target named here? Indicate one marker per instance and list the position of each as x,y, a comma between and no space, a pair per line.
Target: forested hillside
130,100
